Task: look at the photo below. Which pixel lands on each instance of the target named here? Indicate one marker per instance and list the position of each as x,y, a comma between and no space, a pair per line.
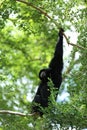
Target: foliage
27,41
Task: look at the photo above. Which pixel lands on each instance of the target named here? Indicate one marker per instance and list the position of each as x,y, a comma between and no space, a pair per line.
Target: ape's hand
61,32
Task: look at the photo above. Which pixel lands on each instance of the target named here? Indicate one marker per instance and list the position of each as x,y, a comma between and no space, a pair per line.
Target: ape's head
44,74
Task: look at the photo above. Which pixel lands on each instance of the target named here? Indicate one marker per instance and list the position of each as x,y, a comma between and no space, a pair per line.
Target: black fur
54,72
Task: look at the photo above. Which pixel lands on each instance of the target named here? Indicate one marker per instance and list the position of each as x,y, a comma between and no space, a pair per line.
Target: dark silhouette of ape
54,72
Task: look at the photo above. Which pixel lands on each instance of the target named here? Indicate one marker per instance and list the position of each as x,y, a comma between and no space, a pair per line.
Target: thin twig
15,113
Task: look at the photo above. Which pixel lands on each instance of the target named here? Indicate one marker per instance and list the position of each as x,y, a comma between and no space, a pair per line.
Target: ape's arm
56,63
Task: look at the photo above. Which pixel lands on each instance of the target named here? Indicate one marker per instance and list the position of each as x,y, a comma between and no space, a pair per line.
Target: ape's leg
41,98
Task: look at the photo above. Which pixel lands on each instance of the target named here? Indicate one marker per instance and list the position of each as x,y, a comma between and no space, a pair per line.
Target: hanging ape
54,72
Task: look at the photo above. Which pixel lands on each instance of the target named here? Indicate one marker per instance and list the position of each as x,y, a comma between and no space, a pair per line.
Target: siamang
53,72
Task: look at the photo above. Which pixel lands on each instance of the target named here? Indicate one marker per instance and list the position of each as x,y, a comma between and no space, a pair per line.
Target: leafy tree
28,33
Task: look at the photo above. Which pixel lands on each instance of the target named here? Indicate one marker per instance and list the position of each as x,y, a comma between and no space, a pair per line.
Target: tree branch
78,46
37,8
15,113
45,14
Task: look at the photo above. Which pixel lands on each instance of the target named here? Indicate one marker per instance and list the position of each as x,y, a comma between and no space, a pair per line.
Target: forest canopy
28,35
